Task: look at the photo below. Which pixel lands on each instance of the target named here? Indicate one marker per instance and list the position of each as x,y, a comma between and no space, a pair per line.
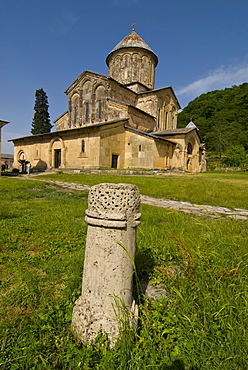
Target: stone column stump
112,217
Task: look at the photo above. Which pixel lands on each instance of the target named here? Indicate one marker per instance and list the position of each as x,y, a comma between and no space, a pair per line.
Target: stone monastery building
118,121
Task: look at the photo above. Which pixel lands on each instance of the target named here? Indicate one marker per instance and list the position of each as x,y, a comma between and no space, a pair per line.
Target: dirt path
202,210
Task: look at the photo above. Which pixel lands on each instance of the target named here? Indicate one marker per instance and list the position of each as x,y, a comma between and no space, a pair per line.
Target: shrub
235,156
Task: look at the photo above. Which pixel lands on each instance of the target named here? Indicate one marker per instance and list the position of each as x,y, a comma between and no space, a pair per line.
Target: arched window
166,120
159,118
151,72
86,95
99,110
189,148
74,109
75,116
87,112
83,146
160,123
100,94
135,67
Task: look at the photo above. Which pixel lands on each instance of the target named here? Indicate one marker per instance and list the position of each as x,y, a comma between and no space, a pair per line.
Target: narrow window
83,146
151,73
99,109
166,120
75,115
159,118
87,112
189,148
139,148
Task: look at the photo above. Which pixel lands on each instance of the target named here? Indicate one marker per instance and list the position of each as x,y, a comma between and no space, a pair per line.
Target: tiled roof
174,131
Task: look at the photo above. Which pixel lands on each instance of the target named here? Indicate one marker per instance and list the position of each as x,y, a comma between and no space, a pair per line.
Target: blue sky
201,46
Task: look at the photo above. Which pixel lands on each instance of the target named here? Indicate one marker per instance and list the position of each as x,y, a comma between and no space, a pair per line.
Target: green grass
217,189
201,262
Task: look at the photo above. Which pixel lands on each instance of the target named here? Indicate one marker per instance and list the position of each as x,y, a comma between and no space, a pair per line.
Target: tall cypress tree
41,121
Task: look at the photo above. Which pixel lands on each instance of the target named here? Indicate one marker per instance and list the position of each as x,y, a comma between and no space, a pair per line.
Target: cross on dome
132,26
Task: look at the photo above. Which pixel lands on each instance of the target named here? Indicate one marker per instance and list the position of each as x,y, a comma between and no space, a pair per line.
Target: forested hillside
222,118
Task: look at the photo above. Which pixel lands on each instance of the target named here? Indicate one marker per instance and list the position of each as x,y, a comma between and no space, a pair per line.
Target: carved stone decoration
112,217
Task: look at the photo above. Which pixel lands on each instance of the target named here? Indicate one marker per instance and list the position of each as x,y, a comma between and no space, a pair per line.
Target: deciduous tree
221,117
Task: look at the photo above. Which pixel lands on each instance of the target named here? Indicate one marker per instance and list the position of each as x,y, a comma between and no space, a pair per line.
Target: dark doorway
114,161
57,158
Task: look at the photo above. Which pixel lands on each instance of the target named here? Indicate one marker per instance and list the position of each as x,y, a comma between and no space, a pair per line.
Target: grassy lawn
201,262
217,189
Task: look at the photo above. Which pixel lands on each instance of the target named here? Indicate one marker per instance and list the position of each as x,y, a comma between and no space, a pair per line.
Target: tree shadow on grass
5,216
178,365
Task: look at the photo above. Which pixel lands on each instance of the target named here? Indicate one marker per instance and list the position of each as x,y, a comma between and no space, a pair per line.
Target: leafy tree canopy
235,156
41,122
221,117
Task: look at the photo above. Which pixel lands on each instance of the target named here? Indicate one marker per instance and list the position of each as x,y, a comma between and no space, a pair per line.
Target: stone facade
118,121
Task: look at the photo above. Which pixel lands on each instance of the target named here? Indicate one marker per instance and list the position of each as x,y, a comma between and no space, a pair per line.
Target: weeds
202,264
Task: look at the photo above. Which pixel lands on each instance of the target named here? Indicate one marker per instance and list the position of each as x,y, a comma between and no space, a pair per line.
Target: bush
235,156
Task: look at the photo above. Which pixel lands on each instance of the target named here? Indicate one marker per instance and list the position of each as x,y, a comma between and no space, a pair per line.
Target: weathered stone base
87,323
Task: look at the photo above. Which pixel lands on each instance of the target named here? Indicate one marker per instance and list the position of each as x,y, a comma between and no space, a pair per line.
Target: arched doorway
57,158
21,158
189,164
57,153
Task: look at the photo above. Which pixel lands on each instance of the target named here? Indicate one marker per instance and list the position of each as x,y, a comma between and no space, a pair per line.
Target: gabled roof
86,127
175,131
2,122
81,76
151,134
132,106
63,114
191,125
160,89
179,131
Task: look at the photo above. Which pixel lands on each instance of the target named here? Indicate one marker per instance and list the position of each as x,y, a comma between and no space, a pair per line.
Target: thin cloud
216,80
66,22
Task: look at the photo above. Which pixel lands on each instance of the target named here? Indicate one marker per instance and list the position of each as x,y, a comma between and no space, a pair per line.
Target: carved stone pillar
112,217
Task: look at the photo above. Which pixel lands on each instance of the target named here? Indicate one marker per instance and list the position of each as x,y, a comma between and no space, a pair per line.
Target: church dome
132,40
132,62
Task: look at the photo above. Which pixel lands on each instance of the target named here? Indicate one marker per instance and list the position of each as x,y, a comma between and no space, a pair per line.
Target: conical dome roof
133,40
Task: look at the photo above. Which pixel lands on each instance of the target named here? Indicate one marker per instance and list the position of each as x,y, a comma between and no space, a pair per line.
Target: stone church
117,121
